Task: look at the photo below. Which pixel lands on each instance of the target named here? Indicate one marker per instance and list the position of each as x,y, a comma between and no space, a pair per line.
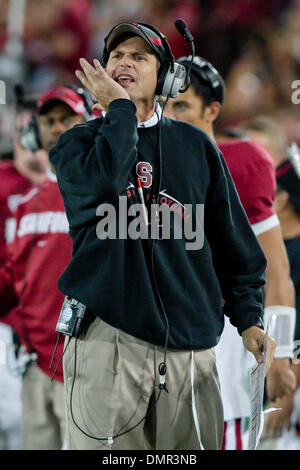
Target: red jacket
12,186
37,257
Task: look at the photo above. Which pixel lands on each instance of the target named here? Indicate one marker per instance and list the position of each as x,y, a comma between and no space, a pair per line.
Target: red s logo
144,171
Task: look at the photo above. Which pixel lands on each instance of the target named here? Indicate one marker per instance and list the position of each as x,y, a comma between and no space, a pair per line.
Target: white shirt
151,121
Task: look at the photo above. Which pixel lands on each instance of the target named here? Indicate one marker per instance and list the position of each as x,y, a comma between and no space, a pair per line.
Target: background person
17,174
282,428
253,172
37,256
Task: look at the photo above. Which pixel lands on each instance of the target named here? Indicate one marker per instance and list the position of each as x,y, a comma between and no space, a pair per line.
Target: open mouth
124,79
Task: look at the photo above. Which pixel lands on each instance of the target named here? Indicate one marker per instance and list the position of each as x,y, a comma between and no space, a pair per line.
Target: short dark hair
204,90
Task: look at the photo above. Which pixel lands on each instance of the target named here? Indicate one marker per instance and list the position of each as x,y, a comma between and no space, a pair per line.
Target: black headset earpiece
171,76
30,135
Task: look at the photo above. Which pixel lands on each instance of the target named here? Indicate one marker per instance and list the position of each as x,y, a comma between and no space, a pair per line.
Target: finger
80,75
254,346
98,66
87,67
97,106
258,353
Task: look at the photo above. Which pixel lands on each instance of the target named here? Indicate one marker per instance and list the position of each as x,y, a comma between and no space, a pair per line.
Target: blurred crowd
254,45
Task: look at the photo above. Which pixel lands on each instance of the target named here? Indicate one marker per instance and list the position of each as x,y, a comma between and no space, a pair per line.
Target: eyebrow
136,51
180,102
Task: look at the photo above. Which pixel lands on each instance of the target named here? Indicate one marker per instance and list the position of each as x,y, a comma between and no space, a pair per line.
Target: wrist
251,329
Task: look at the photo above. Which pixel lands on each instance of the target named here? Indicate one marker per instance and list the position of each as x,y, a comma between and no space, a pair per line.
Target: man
40,251
253,173
148,335
16,176
265,130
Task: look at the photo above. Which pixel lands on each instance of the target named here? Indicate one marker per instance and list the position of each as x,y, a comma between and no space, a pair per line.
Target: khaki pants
43,411
117,383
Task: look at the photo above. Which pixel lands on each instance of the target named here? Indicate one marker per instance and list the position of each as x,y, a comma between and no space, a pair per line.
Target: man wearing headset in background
253,172
37,255
264,130
17,174
118,370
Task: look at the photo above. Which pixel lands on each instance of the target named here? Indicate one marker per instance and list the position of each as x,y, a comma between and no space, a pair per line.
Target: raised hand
103,87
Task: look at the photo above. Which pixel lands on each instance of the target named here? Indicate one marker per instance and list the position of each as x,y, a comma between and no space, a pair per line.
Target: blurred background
254,44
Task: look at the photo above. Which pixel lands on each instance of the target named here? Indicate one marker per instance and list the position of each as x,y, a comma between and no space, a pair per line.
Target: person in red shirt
37,256
281,430
17,175
254,176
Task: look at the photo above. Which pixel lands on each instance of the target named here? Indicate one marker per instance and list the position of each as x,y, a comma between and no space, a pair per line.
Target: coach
143,375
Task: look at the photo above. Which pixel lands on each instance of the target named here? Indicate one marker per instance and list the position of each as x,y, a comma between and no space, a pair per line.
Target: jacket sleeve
93,162
238,259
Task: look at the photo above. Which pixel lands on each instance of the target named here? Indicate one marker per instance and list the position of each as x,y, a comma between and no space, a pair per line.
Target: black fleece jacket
97,162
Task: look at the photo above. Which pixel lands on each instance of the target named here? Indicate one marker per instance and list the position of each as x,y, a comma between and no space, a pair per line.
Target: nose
58,128
126,61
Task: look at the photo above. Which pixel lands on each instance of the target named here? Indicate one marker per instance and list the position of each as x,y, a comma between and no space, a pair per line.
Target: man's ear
281,200
213,111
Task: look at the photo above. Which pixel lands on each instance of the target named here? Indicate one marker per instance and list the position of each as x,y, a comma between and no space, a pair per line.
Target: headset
207,73
30,134
171,75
